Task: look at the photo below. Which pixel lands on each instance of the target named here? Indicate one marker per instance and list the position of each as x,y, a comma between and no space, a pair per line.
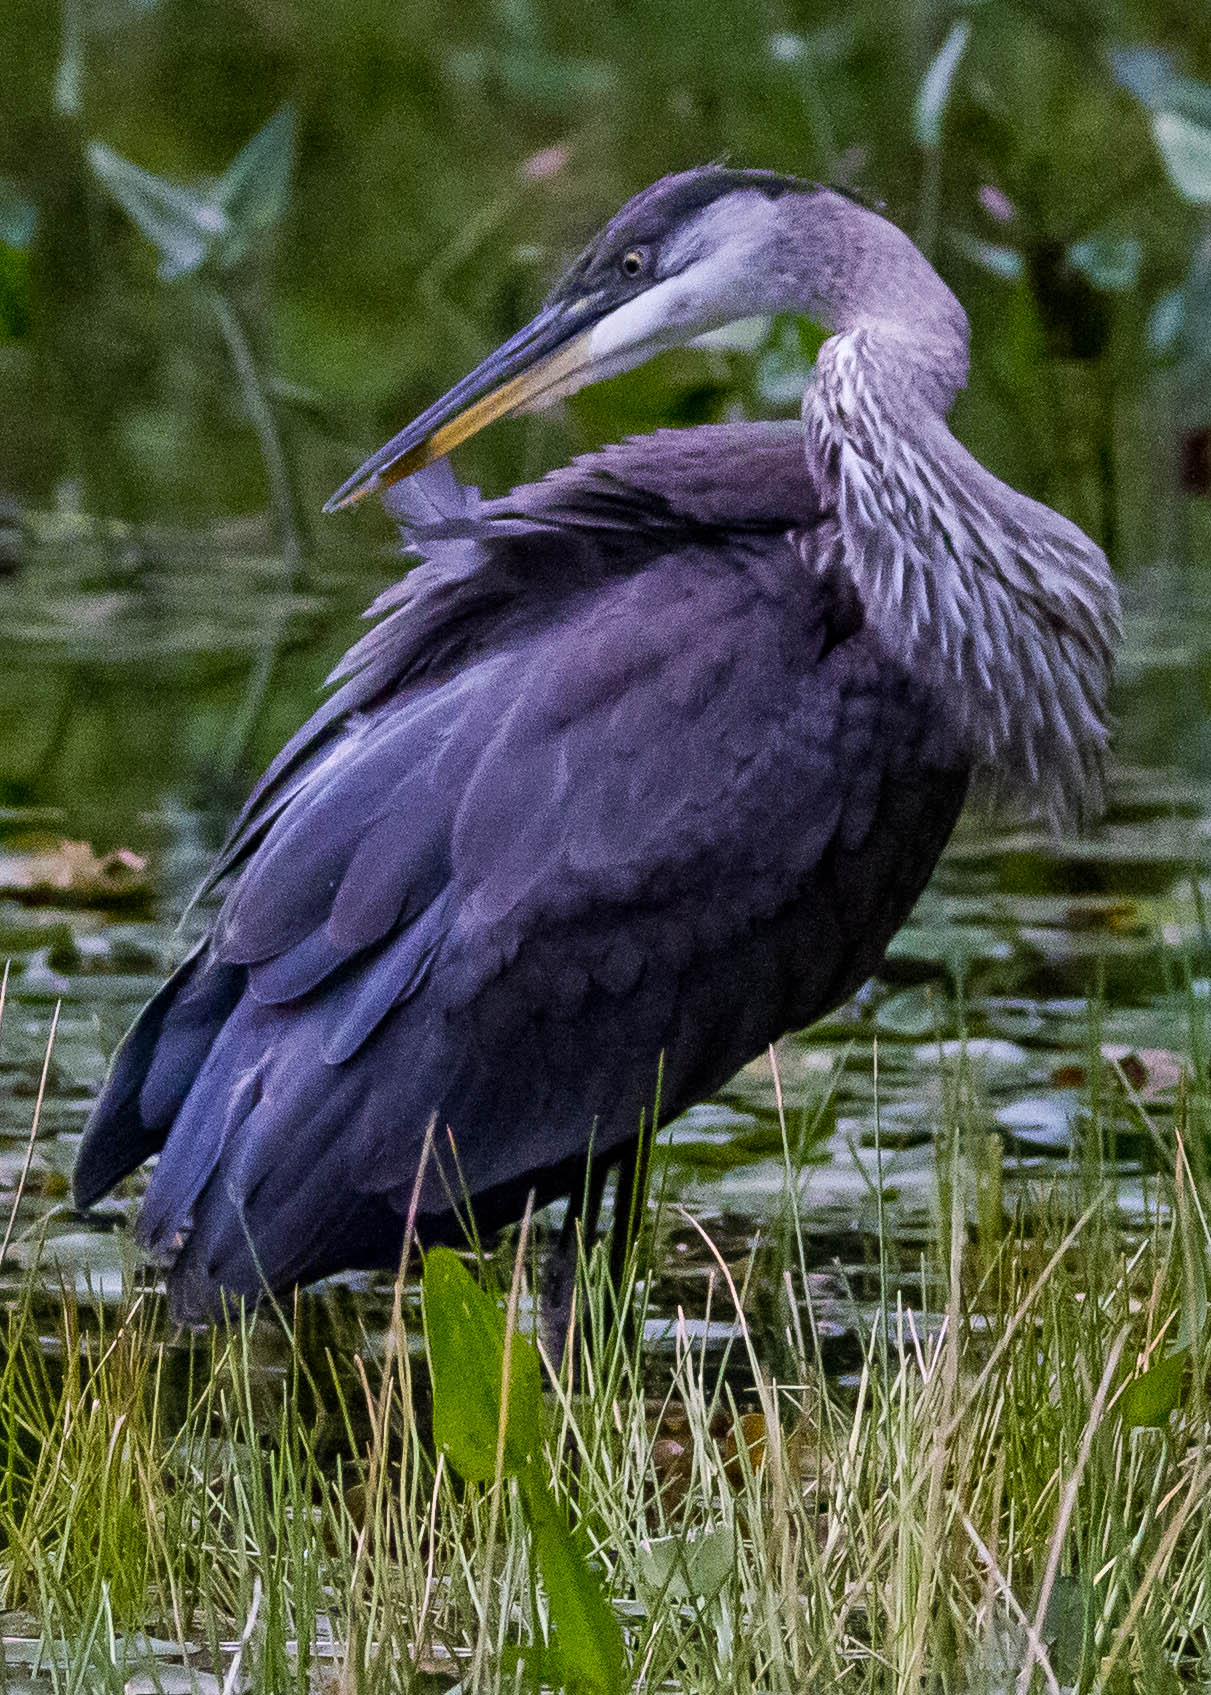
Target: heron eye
633,262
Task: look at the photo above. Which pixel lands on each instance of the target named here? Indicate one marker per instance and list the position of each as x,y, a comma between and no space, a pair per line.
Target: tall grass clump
1008,1493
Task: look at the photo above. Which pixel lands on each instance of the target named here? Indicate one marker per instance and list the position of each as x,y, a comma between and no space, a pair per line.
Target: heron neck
872,283
1007,607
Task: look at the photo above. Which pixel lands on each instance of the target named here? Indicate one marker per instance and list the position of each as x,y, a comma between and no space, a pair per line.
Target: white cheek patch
657,318
663,316
721,289
742,335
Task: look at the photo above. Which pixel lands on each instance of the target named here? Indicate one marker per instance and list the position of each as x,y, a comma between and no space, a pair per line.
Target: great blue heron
640,767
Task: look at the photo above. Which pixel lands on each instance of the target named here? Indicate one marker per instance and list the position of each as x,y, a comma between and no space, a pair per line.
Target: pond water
144,677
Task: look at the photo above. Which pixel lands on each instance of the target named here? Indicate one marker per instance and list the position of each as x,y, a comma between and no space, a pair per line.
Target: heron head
689,254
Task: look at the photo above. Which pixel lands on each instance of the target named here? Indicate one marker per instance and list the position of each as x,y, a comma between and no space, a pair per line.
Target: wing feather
541,837
397,973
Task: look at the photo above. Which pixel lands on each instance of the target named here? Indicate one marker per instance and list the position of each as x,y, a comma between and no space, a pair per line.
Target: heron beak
551,356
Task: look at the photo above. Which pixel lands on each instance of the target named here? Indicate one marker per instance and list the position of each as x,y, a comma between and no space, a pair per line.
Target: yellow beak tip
522,391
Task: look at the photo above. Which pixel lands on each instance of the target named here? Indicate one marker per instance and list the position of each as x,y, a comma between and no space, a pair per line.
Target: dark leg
559,1272
630,1198
584,1208
630,1203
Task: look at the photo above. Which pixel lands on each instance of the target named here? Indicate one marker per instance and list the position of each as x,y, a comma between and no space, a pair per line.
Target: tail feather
152,1073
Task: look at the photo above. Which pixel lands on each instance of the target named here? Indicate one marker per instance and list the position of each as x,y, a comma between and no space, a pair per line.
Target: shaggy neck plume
1005,605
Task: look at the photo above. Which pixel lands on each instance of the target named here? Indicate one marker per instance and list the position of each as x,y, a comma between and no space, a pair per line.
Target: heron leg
630,1199
580,1222
559,1271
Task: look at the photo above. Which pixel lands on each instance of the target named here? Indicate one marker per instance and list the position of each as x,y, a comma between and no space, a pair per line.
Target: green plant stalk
283,503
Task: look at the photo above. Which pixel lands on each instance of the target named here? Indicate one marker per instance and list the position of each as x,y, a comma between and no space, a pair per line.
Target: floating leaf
1039,1121
912,1012
1149,1398
992,1056
173,1680
1185,146
465,1334
934,92
1150,1072
73,874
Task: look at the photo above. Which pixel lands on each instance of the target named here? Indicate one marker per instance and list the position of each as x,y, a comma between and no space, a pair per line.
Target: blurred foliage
219,224
449,157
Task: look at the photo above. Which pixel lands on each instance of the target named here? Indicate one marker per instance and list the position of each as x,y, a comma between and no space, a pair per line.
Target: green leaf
586,1638
1192,1322
991,256
1064,1626
1110,262
693,1568
1165,324
1186,149
182,225
1150,74
934,92
710,1562
554,81
254,189
191,228
1149,1398
529,1666
18,216
785,365
913,1012
465,1336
